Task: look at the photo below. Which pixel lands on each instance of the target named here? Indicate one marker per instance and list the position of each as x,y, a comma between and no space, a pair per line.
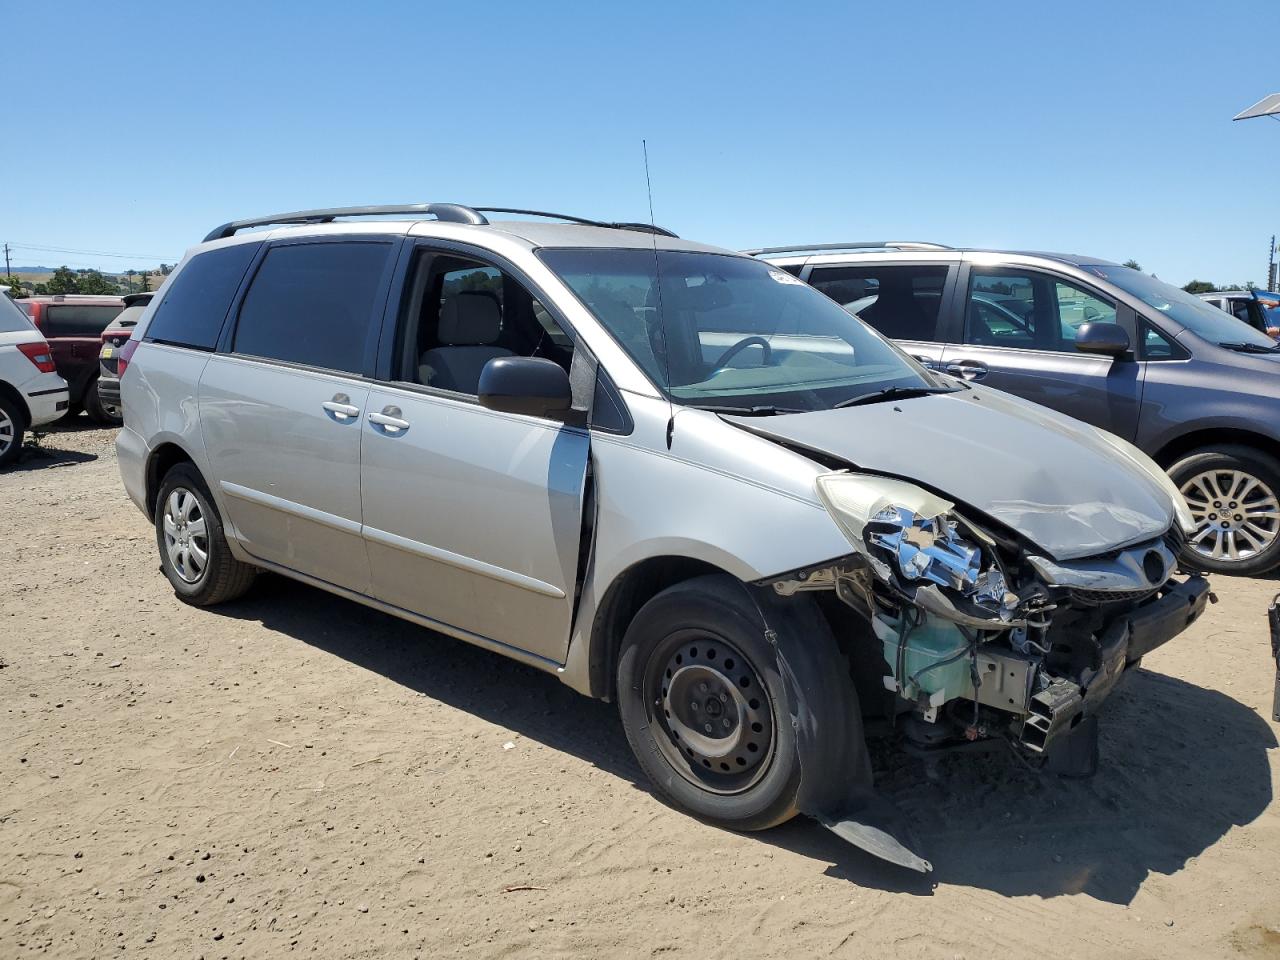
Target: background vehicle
73,325
31,392
115,336
1246,305
1187,384
673,475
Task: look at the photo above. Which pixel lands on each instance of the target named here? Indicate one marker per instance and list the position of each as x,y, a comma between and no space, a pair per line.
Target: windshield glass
1201,318
732,332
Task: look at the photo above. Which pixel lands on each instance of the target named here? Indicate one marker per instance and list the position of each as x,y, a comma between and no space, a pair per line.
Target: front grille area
1096,598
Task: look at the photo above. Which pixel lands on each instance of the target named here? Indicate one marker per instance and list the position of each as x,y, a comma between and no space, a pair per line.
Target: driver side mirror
530,386
1107,339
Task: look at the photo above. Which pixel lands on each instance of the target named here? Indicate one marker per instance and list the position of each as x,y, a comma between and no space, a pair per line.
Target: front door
281,409
472,518
1018,336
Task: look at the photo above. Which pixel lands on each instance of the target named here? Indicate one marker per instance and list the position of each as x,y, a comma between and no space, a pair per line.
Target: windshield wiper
764,410
1251,347
891,393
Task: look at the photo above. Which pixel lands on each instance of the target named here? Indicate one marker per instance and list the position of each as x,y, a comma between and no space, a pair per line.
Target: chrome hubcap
1237,515
7,431
713,716
186,539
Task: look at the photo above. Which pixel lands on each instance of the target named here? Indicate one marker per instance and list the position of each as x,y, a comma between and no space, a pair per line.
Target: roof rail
861,245
642,227
452,212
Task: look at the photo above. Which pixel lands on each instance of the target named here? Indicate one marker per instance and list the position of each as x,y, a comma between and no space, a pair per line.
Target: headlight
1152,469
891,521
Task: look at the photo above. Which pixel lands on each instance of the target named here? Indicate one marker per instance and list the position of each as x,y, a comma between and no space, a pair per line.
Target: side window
314,304
902,302
1156,346
79,319
458,314
197,299
1028,310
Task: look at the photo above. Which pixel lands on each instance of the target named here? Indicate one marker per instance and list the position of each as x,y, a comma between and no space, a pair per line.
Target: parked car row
1251,306
681,478
73,326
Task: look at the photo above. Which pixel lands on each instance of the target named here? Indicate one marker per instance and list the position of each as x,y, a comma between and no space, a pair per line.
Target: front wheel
705,707
1234,496
194,554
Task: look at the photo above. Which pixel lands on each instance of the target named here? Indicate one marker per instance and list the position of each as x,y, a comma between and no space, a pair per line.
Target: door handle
968,369
389,420
341,408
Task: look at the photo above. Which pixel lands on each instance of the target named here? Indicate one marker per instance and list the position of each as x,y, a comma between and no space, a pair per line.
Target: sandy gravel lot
297,774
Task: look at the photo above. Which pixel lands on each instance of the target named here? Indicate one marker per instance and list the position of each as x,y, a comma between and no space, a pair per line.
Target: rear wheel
1234,496
107,414
705,708
194,554
12,429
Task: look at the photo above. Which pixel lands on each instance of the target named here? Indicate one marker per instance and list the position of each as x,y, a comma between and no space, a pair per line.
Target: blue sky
1100,128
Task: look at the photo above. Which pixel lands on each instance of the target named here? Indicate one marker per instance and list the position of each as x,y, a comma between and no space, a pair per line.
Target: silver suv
1188,384
671,475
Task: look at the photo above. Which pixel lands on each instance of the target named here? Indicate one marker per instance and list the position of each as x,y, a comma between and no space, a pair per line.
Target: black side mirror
1109,339
527,385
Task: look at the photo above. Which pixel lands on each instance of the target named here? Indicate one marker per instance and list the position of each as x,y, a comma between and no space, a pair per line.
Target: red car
73,326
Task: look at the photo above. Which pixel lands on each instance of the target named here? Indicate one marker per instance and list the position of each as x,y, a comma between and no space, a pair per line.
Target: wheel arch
161,460
627,593
12,393
1214,437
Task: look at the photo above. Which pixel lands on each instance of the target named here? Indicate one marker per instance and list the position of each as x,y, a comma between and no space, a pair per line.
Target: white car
31,392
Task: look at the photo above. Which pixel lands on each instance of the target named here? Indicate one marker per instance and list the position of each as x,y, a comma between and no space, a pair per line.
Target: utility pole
7,271
1271,265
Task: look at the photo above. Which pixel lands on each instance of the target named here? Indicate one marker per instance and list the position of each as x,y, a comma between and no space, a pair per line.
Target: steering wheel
741,345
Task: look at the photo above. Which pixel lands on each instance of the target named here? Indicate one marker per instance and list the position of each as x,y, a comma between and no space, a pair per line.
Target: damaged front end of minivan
981,638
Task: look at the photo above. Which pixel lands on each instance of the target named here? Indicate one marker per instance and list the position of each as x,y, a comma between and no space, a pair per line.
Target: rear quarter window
198,297
12,319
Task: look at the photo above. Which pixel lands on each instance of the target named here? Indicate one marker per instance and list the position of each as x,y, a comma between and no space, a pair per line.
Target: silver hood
1053,479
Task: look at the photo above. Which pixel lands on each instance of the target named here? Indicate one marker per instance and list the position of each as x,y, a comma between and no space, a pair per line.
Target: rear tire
1234,496
696,656
99,412
12,431
194,553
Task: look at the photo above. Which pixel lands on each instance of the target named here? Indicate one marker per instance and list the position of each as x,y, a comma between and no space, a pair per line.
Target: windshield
1201,318
725,331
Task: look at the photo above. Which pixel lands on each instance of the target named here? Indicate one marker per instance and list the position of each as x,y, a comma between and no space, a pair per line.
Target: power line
19,245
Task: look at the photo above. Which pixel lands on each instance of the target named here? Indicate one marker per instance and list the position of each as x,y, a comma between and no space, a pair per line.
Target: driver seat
470,323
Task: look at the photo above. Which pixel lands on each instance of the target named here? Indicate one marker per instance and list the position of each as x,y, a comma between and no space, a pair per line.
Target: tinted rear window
197,300
78,319
314,304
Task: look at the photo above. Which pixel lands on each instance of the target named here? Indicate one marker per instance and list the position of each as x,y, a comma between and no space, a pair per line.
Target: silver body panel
469,521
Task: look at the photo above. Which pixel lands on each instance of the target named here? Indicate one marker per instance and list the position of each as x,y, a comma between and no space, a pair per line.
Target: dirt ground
297,773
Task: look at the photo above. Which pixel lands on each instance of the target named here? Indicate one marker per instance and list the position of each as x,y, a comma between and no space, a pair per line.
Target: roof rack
450,212
861,245
614,225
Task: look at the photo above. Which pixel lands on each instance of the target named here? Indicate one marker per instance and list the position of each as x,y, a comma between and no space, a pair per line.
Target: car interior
459,314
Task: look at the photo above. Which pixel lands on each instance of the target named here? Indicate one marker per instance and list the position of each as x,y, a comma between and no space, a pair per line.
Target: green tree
14,284
94,282
1199,286
1133,265
63,280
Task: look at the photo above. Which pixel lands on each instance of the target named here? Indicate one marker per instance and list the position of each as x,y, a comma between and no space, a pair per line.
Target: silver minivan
675,476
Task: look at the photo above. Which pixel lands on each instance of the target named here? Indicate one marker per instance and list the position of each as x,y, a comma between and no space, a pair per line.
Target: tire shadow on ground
1180,764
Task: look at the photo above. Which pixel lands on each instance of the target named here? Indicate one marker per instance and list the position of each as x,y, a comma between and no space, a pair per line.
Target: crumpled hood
1047,476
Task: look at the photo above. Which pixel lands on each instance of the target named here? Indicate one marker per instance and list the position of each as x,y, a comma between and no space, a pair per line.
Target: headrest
470,318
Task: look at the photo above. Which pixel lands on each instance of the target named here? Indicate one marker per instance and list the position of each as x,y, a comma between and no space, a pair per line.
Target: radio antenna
662,316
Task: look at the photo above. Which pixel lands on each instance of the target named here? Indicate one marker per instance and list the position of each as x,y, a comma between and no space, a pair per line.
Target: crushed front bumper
1062,705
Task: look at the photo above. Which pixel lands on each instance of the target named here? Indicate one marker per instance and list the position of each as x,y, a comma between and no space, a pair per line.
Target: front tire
705,708
1234,496
194,554
12,431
